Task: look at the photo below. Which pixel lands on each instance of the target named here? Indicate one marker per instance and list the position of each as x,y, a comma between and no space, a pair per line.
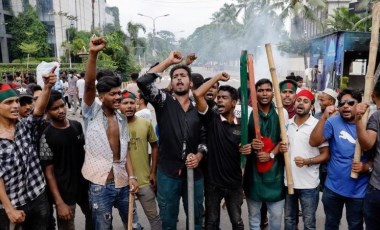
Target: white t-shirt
145,113
237,111
306,177
80,86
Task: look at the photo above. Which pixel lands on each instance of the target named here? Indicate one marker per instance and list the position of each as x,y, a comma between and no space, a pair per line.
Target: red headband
306,93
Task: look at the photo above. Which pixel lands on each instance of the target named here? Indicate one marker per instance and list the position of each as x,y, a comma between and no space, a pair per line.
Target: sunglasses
350,102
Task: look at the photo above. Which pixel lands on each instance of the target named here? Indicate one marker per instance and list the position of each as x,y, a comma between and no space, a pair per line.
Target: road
225,223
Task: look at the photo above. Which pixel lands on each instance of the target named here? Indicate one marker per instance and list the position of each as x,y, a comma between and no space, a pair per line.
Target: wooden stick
130,209
369,77
255,110
280,111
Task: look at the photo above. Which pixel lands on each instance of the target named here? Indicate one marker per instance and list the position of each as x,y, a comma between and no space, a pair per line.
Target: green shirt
267,186
141,133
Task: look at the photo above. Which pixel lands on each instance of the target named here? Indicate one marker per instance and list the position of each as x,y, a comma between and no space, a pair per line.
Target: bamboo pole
369,77
130,210
272,69
252,88
190,198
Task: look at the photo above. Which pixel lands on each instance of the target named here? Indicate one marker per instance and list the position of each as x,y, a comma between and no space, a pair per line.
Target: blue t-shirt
342,136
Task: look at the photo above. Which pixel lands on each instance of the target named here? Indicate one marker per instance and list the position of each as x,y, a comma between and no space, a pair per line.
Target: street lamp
154,26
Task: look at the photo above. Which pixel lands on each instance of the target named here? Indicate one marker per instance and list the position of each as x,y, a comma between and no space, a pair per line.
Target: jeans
309,199
333,205
372,208
70,224
169,192
102,198
275,210
37,213
234,200
147,199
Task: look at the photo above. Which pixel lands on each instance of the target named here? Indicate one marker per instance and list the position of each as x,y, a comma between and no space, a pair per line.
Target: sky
184,15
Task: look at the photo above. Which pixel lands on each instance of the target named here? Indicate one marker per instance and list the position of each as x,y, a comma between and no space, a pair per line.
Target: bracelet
133,177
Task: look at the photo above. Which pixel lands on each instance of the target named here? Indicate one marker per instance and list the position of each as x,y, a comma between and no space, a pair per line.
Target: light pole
154,26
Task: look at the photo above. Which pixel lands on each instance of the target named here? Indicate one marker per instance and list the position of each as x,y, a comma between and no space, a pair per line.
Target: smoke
220,44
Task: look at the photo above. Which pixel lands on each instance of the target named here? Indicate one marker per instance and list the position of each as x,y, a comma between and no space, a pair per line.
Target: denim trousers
37,213
147,199
333,205
309,199
169,192
234,200
372,208
275,210
102,198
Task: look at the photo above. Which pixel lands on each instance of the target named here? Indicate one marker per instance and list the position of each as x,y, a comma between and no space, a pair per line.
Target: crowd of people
50,163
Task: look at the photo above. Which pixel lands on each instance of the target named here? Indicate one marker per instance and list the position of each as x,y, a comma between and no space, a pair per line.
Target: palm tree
226,15
298,10
133,31
343,19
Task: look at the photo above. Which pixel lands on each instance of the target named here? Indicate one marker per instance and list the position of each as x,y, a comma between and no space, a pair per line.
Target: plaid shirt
19,163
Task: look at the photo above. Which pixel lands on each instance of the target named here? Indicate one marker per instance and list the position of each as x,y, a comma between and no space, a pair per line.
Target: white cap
331,92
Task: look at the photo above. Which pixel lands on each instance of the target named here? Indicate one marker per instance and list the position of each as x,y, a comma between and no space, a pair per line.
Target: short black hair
31,88
106,83
104,73
197,80
181,66
134,76
25,100
353,92
262,82
82,74
233,92
143,97
54,96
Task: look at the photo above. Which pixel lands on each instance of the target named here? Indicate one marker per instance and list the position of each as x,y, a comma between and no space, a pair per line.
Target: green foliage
343,19
29,48
26,23
295,46
344,82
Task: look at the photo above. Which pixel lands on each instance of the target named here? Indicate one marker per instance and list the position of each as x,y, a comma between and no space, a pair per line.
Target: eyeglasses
350,102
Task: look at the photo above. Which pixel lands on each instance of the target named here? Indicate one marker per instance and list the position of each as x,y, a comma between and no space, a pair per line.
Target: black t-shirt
64,148
223,156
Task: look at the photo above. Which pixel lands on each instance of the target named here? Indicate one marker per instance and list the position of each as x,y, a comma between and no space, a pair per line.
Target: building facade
58,16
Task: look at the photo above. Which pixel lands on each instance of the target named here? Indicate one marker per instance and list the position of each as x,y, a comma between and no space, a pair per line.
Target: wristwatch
271,155
133,177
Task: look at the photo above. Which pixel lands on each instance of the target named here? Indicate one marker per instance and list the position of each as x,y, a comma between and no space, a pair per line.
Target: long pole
253,97
130,210
369,77
190,198
243,103
284,137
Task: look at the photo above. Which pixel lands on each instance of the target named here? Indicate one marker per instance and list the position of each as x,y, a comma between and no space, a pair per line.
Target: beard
182,92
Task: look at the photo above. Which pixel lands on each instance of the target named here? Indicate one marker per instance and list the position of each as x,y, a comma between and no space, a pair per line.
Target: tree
298,10
29,48
134,39
29,22
343,19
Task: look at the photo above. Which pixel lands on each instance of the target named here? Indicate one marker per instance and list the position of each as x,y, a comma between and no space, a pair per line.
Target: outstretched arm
49,81
174,57
96,45
316,136
199,94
